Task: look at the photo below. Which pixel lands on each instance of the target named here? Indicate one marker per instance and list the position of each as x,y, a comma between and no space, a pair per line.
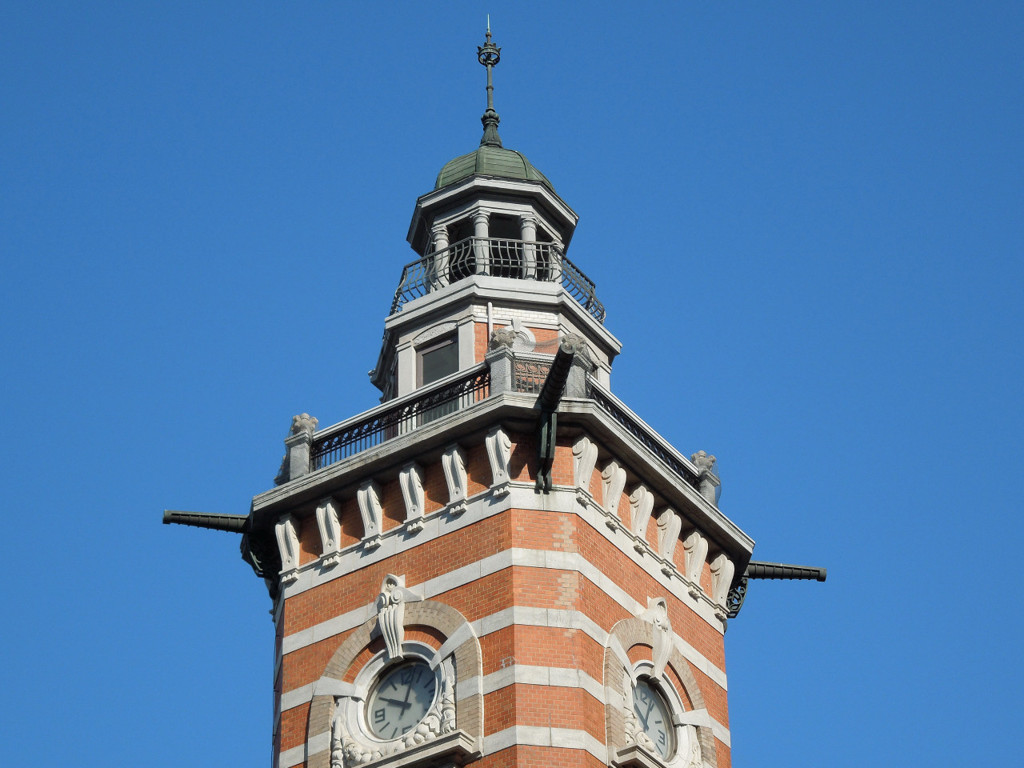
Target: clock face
653,713
401,699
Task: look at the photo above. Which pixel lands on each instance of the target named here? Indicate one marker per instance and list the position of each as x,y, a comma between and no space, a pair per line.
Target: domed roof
490,160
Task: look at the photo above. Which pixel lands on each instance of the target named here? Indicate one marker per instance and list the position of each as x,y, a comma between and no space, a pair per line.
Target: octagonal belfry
501,564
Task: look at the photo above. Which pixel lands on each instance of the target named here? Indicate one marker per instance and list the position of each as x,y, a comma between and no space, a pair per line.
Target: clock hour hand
398,702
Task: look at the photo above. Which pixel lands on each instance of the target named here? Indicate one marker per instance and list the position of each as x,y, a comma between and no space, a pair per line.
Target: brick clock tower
501,564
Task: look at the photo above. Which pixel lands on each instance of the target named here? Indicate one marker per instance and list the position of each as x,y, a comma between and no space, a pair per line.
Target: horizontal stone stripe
483,505
545,617
296,755
537,736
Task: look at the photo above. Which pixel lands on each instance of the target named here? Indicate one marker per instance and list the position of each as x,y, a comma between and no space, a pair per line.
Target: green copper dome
490,160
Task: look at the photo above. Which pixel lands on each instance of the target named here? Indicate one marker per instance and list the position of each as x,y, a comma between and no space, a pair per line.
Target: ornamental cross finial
489,55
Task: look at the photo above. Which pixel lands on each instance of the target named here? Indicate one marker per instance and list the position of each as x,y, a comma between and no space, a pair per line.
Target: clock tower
501,564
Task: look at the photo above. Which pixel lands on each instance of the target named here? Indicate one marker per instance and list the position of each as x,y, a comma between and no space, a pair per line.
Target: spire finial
489,55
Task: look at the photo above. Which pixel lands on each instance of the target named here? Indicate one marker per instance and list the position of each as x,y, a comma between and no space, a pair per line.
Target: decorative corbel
669,525
499,452
411,481
696,548
641,502
391,613
454,463
722,571
330,531
613,480
584,457
288,545
368,497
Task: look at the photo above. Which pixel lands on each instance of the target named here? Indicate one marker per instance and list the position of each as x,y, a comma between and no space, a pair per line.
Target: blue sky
804,219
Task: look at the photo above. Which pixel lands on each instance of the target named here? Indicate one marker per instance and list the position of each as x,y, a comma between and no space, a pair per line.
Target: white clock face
653,713
401,699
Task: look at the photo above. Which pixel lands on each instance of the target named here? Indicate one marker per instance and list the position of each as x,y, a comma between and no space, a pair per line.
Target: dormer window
437,359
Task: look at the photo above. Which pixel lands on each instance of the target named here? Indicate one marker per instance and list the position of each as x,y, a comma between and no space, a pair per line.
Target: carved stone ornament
368,497
391,612
411,481
303,423
641,502
584,458
573,342
703,461
657,615
502,337
613,480
454,463
669,525
499,452
350,746
288,546
330,531
696,548
722,571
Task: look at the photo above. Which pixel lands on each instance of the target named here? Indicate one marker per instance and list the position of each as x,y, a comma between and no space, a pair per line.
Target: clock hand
402,704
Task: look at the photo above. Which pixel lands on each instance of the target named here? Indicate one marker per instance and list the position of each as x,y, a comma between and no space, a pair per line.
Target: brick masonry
432,622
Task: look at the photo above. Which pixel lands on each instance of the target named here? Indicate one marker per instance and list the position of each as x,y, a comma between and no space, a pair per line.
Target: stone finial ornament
504,337
703,461
303,423
391,612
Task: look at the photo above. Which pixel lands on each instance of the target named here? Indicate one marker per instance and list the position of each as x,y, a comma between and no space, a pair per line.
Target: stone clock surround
461,644
638,637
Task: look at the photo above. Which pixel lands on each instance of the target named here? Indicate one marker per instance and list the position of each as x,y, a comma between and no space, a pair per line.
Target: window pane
439,362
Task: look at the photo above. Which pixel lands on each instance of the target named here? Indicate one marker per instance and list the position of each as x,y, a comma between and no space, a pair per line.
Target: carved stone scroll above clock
391,612
696,548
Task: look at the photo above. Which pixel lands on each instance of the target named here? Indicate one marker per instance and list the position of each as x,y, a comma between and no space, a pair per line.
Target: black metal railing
647,436
387,422
501,258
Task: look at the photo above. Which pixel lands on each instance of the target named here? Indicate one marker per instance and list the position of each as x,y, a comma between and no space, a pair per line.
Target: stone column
439,238
482,248
528,234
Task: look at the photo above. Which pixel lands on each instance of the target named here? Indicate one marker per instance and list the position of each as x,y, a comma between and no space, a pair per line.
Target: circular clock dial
401,699
653,713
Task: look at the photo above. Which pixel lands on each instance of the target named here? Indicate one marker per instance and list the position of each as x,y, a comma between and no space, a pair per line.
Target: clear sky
804,218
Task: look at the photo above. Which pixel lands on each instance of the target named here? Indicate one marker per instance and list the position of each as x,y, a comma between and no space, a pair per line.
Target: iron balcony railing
399,418
642,432
517,259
